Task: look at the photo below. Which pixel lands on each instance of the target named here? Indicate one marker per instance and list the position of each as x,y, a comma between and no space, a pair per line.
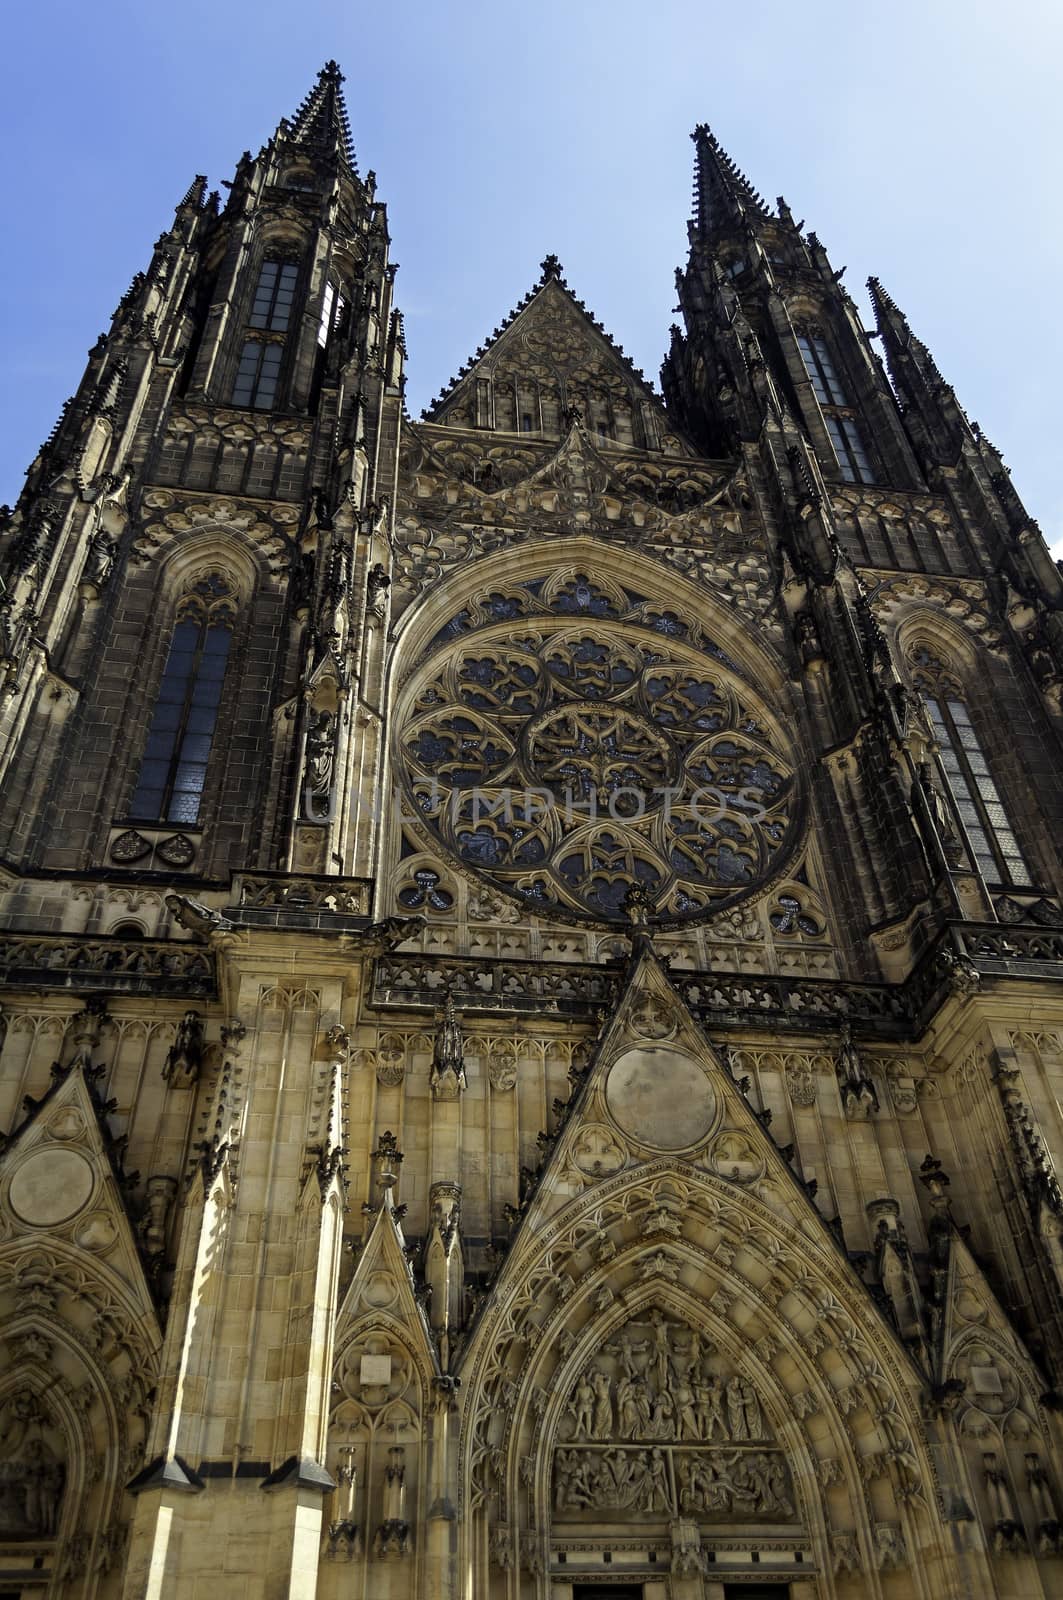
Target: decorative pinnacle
720,187
551,268
321,121
388,1158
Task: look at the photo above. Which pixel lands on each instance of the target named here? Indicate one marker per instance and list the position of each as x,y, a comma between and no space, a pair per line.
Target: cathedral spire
722,192
932,412
898,341
321,124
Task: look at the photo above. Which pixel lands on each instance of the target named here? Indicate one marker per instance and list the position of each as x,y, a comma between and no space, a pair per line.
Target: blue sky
920,140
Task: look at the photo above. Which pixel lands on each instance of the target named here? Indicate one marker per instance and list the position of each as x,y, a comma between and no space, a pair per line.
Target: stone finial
387,1159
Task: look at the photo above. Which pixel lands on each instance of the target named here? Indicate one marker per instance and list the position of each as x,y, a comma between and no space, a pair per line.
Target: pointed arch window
841,425
174,767
972,788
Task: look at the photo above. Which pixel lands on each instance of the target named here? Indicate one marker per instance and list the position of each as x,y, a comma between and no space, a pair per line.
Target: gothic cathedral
532,948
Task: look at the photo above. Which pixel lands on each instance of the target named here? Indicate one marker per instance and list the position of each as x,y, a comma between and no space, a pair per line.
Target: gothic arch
81,1370
772,1299
758,658
668,700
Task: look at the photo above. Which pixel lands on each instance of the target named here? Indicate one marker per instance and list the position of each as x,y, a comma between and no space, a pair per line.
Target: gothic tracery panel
583,742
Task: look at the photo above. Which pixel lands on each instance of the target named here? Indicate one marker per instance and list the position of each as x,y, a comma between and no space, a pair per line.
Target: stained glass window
975,797
173,770
844,431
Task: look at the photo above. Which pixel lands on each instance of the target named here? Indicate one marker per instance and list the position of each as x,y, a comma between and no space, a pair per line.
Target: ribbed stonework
531,942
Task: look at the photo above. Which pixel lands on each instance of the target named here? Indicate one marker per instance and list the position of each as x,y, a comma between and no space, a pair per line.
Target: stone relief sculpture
657,1424
32,1476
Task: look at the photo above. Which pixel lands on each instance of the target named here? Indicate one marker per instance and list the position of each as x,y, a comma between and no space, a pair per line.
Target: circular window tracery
572,757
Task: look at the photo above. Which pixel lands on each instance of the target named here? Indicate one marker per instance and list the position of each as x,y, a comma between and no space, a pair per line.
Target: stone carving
1046,1510
845,1553
320,760
687,1558
857,1090
185,1056
32,1475
159,1196
501,1548
393,1535
502,1070
734,1157
656,1425
596,1152
801,1083
447,1077
890,1552
376,592
1008,1536
651,1019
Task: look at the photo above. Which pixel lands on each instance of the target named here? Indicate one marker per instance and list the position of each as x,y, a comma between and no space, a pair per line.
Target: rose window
567,739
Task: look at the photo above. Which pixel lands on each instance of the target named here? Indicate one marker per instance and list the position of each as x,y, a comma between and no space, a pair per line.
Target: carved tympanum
658,1424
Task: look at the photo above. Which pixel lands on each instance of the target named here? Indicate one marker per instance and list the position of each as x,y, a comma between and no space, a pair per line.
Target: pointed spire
321,122
195,195
897,336
933,415
722,192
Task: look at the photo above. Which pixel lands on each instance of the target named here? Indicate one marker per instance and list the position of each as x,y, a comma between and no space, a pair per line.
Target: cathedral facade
531,943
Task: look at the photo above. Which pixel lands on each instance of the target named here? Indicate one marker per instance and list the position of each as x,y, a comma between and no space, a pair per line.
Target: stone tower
532,1029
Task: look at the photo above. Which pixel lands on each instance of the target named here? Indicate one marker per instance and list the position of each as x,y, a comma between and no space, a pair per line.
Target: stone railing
959,961
277,899
118,966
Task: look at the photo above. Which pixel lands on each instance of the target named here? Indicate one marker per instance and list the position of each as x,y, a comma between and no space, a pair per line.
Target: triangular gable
553,341
656,1087
58,1181
974,1333
382,1288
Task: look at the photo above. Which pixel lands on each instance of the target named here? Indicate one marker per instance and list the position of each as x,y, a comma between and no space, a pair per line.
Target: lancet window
258,369
972,788
841,425
173,770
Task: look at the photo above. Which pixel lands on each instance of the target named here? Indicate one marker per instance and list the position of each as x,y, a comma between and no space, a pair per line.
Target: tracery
570,738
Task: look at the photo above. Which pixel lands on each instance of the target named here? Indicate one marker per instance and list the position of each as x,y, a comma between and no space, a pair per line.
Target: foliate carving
845,1553
501,1548
890,1551
502,1068
656,1424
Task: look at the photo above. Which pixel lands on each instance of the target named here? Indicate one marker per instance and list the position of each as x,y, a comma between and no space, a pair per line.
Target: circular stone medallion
660,1098
51,1186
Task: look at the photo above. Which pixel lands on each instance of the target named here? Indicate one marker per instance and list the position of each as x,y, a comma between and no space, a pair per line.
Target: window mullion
182,726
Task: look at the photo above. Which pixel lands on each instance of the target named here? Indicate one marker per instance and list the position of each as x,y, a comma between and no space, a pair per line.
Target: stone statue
602,1423
320,760
736,1410
376,591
